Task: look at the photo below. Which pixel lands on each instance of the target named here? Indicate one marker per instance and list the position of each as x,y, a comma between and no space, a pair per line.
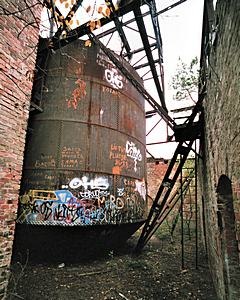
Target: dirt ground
154,275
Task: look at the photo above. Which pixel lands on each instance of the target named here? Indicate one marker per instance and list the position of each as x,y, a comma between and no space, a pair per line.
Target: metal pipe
204,225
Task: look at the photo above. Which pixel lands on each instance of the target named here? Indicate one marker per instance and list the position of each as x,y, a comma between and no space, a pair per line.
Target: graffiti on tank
46,161
120,192
134,153
96,194
129,183
113,78
109,90
85,182
71,157
49,177
110,73
85,200
117,153
141,188
102,60
88,208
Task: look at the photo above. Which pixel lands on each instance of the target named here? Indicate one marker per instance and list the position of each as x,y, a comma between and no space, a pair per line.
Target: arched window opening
227,236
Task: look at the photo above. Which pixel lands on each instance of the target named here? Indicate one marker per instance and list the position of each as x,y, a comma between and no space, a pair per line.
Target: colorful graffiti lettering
120,156
86,201
69,209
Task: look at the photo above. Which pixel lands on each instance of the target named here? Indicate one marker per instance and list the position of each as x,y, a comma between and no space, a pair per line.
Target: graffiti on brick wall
85,201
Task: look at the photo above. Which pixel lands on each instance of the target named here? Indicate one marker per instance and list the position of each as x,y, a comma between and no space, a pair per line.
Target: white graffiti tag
140,188
120,192
113,78
97,183
96,194
134,153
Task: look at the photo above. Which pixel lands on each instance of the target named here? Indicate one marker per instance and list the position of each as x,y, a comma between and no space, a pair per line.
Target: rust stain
116,170
77,94
129,124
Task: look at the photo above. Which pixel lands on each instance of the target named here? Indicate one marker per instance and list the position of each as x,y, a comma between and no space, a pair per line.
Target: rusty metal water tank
85,155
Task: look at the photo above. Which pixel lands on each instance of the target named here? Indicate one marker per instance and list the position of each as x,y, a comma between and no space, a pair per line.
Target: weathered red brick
15,61
222,151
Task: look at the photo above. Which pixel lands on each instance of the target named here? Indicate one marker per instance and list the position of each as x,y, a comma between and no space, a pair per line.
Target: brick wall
221,164
156,170
17,60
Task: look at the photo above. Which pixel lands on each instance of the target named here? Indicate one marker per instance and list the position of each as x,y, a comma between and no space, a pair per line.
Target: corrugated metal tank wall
85,156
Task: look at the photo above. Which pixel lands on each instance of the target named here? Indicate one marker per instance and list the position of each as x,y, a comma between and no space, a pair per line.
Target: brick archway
228,241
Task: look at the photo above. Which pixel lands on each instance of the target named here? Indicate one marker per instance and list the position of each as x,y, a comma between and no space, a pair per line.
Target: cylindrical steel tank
85,155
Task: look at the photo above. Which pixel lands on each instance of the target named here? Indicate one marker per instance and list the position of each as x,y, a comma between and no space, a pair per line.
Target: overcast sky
181,29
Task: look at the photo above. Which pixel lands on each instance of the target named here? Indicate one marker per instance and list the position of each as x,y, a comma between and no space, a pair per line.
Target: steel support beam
143,33
156,27
72,35
125,8
51,6
139,50
146,65
109,31
68,18
119,28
